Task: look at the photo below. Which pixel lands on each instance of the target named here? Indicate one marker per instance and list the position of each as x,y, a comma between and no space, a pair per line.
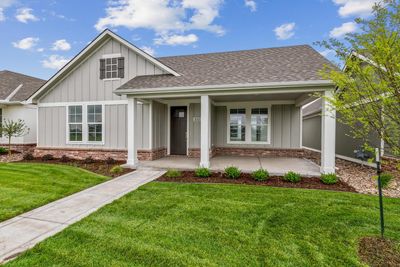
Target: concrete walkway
26,230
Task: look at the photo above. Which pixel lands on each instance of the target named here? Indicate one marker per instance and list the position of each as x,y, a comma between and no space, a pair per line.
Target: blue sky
39,36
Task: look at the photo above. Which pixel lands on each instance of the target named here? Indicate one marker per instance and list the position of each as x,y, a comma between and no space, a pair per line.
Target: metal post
379,171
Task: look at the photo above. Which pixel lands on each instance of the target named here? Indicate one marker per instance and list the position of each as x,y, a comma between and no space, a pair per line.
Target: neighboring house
15,89
115,100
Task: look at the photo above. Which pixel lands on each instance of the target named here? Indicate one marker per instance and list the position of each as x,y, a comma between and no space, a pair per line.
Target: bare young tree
10,129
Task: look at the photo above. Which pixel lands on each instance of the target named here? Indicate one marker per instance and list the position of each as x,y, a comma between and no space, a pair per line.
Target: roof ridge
21,74
237,51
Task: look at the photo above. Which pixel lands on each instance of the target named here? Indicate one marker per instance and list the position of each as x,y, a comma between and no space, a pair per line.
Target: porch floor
275,165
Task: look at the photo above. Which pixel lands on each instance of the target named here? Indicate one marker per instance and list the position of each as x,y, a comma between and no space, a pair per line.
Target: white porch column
205,132
132,122
328,135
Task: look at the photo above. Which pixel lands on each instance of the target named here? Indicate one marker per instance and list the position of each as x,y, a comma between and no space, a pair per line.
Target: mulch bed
245,178
99,167
376,251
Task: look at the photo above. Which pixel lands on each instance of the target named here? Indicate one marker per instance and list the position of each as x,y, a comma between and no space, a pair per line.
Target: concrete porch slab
274,165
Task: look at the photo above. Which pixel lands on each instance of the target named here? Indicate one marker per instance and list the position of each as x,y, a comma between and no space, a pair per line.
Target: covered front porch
276,166
263,126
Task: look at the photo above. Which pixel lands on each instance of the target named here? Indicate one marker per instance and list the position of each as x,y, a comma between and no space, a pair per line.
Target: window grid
237,124
75,123
259,124
111,66
95,123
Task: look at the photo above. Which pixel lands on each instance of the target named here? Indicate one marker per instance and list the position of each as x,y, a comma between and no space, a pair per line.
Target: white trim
111,79
62,104
169,130
301,127
268,85
100,37
248,106
151,125
132,142
373,165
205,131
250,103
14,92
85,128
328,135
111,55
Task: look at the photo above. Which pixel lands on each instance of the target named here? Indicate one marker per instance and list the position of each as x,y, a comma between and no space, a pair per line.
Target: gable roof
269,65
17,87
87,51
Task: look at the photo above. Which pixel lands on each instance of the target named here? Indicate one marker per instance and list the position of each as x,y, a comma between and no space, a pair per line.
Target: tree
368,94
10,128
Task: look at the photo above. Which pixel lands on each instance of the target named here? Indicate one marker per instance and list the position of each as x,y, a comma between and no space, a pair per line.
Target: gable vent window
112,68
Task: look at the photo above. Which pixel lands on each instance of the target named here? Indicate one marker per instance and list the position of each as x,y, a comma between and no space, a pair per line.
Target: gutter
226,87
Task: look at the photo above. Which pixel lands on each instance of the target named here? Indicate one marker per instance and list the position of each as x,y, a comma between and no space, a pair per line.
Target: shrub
292,177
64,158
110,161
28,156
329,178
3,150
173,173
88,160
232,172
48,157
202,172
116,169
260,175
386,178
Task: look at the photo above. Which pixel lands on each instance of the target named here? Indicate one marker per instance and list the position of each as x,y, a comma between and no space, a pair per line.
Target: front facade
15,89
114,100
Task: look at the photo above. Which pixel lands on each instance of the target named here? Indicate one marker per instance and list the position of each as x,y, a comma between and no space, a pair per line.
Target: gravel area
14,157
361,178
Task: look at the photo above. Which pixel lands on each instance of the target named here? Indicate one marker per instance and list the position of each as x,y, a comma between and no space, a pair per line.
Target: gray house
115,100
15,89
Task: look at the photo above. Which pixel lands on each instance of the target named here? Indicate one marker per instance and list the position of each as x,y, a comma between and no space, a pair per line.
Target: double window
248,125
85,124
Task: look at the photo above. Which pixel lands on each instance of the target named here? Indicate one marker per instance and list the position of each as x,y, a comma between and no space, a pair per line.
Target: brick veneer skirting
153,154
82,153
22,148
260,152
195,152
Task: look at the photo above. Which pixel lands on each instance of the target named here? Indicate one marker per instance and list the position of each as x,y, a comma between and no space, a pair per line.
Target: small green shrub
386,178
232,172
173,173
28,156
89,160
47,157
3,150
116,169
292,177
202,172
260,175
329,178
64,159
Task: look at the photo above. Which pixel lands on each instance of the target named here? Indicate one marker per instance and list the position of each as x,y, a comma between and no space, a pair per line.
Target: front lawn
171,224
26,186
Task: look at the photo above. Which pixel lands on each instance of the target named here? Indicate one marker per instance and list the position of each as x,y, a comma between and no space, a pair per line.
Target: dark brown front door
178,130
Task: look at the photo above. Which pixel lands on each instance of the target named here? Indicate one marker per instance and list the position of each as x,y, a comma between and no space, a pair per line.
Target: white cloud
40,49
251,4
26,43
148,50
164,17
355,7
348,27
54,62
3,5
176,39
25,14
62,45
285,31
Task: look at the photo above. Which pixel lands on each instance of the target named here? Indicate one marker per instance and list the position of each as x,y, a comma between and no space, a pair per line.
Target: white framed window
85,124
248,124
111,68
75,123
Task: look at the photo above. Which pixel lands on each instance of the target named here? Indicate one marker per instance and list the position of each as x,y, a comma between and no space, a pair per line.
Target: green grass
170,224
24,187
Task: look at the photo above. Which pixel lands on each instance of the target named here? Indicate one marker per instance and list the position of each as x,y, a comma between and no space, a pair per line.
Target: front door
178,130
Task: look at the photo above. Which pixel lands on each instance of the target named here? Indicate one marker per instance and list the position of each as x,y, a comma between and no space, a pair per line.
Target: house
114,100
15,89
346,144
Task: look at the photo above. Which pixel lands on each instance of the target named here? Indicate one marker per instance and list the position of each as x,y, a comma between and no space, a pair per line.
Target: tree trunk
9,147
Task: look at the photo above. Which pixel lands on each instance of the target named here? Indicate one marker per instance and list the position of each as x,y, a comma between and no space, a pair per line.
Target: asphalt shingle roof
282,64
9,81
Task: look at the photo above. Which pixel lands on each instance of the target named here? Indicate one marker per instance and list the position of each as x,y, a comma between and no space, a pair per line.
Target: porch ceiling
256,97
